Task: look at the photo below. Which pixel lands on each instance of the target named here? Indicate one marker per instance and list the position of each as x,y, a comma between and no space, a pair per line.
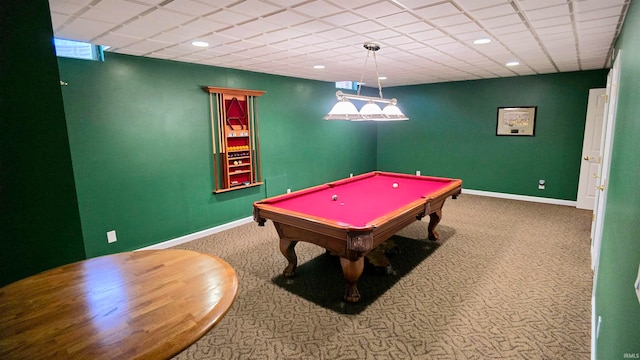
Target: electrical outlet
541,184
288,191
418,172
111,236
351,175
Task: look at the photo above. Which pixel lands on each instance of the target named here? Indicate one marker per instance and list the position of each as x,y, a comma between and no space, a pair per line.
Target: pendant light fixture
371,111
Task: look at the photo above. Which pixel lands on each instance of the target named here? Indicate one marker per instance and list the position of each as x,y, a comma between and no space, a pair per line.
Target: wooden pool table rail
348,242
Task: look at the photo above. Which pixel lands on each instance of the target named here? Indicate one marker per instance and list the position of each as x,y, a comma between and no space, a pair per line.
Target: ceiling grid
422,41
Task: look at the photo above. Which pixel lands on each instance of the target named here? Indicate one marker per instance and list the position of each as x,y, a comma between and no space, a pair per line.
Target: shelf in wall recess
237,187
234,125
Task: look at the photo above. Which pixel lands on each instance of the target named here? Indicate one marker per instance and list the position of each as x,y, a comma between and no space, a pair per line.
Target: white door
591,148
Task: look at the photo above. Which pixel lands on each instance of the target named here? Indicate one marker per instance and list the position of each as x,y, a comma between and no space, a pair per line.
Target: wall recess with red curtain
235,139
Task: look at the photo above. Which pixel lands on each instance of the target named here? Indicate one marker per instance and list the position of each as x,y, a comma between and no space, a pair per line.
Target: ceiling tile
436,11
190,7
66,7
413,28
380,9
509,29
538,4
58,20
590,5
335,34
364,27
317,9
115,40
382,34
451,20
480,4
287,18
414,4
254,8
566,30
153,23
494,11
428,35
287,3
147,46
398,19
343,19
228,17
83,30
501,21
560,20
613,12
549,12
462,28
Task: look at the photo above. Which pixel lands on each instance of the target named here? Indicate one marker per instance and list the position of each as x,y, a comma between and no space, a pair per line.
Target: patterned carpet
507,280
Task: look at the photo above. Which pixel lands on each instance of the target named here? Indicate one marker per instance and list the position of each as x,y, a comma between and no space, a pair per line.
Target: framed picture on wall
518,121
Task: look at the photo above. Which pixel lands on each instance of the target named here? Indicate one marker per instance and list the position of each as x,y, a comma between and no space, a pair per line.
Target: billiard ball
395,185
334,197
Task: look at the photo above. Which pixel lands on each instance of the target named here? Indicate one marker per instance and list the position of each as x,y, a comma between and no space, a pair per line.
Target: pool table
350,217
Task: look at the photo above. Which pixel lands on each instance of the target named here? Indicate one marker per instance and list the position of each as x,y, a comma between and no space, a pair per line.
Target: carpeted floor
507,280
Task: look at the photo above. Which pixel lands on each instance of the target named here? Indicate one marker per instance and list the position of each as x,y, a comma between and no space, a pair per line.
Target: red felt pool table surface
361,200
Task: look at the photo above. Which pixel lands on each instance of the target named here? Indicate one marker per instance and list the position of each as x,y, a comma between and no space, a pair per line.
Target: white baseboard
230,225
521,197
199,234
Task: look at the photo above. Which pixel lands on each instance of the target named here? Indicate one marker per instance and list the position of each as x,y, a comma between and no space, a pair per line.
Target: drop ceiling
421,41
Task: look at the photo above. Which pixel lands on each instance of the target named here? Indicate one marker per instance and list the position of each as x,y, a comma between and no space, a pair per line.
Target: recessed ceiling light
200,44
382,78
481,41
513,63
318,66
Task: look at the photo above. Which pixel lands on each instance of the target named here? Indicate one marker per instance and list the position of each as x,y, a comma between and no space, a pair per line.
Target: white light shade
371,111
392,112
370,108
343,110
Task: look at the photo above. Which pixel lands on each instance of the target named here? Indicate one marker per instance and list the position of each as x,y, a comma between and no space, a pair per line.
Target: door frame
601,196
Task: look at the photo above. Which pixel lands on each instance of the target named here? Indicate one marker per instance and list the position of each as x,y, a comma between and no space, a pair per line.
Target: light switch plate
111,236
637,284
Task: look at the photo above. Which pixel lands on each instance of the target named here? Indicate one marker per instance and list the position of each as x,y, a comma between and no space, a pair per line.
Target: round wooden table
148,304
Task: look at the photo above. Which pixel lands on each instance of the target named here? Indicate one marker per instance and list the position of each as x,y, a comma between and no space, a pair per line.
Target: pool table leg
287,248
434,219
352,271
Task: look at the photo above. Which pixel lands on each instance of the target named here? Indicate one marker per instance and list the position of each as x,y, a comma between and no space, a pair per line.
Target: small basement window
347,85
78,50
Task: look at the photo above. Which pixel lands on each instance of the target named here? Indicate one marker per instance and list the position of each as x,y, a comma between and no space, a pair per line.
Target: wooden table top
148,304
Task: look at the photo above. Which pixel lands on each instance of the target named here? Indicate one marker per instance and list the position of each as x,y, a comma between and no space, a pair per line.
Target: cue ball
395,185
334,197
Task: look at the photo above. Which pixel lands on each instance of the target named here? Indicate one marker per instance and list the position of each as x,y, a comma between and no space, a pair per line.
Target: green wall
140,138
39,218
138,133
616,301
452,133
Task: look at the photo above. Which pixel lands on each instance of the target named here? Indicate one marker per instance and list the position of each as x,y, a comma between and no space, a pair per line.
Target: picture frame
516,121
